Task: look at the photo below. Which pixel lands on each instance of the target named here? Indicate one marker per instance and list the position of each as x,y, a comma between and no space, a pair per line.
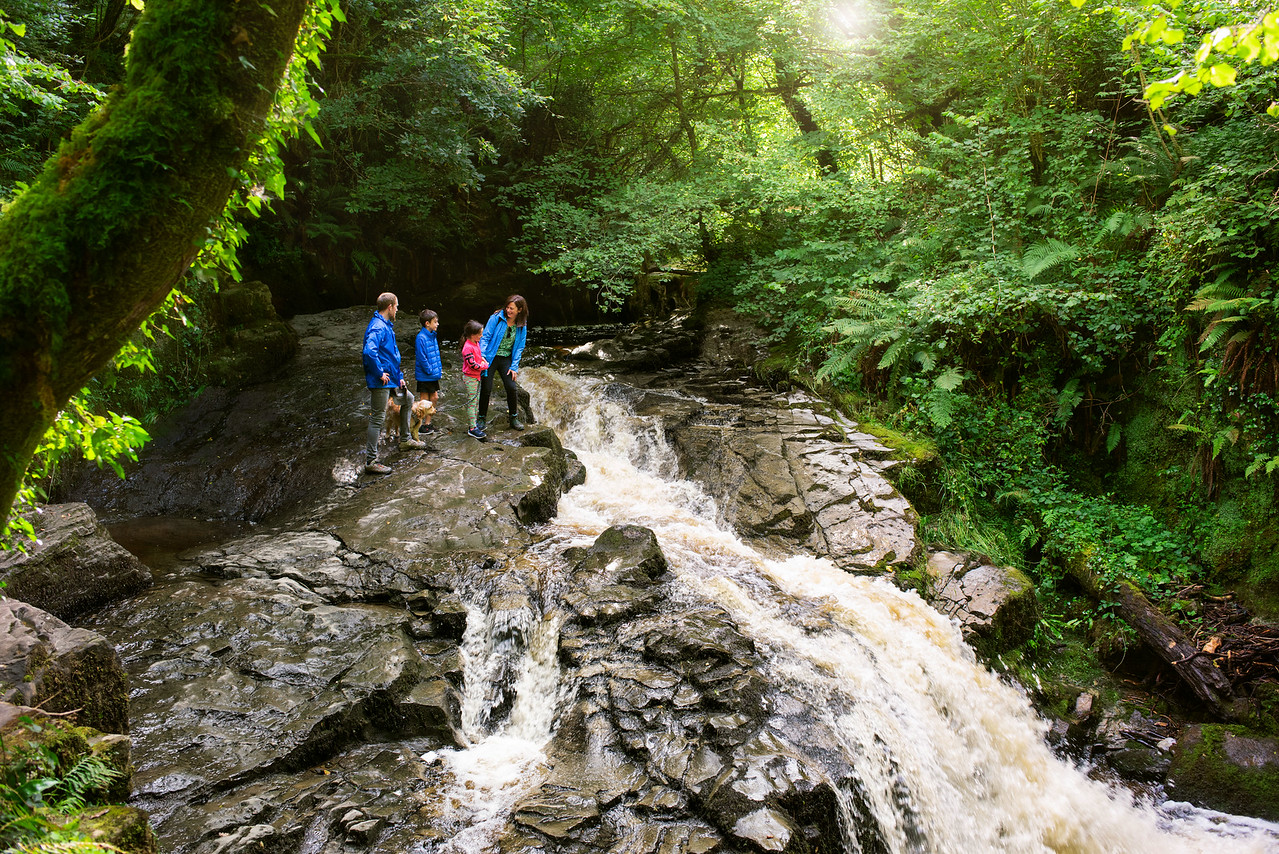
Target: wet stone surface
676,736
288,681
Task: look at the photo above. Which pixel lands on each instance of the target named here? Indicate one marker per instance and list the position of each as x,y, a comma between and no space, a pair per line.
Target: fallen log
1195,667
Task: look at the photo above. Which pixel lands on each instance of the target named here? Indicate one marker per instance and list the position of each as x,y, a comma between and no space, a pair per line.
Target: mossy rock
23,728
913,451
254,354
1238,526
245,304
1227,768
1241,542
996,606
127,828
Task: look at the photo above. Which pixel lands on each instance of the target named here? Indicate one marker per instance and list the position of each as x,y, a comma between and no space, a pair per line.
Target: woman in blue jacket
502,344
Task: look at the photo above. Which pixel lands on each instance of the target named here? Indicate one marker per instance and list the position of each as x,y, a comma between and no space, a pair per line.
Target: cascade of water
948,758
511,690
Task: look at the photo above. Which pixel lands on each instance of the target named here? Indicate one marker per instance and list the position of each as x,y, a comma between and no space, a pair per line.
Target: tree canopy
1037,235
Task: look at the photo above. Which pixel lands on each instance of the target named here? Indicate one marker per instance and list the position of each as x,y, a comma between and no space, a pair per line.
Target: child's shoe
477,433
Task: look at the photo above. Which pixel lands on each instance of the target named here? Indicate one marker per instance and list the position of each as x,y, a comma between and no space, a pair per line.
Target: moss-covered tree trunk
116,217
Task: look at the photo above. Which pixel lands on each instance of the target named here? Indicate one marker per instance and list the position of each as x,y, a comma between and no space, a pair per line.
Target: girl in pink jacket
473,365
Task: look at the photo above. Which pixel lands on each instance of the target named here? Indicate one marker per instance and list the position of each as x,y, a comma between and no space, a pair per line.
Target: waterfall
949,757
512,688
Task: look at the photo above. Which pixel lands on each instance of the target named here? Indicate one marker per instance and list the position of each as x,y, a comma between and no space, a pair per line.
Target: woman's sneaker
377,468
477,433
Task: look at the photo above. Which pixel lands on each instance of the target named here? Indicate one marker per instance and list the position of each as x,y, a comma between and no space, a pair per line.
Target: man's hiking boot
413,445
516,423
377,468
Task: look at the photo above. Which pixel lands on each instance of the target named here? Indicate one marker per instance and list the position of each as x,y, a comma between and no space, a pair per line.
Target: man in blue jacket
382,371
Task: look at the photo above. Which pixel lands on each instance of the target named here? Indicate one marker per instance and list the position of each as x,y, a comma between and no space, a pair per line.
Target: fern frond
1067,399
839,362
893,353
1047,254
1214,334
951,379
1120,222
940,407
1113,436
89,773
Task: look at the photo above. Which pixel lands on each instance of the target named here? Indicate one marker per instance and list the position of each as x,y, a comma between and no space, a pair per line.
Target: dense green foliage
40,790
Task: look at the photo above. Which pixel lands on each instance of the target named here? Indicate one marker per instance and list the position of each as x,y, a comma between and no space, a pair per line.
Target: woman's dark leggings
500,365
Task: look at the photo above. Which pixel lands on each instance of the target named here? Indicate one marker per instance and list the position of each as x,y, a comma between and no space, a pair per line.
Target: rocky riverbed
319,649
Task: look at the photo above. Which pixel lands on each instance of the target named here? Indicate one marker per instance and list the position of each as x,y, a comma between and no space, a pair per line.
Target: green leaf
950,380
1113,436
1221,75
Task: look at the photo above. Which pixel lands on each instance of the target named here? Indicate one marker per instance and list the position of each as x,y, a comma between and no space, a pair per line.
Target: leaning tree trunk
1163,637
119,212
788,85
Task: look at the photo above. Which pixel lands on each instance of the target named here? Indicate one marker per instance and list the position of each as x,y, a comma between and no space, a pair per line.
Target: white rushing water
512,690
950,758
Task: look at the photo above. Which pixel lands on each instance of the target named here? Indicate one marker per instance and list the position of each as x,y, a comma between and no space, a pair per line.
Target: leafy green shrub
40,792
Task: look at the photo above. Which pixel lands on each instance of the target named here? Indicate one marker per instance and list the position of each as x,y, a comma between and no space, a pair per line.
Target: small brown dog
391,423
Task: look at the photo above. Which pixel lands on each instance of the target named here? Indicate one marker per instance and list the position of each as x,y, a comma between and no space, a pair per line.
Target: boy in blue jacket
382,373
427,365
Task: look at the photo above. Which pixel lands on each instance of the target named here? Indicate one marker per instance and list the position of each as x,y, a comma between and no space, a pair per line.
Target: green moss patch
1227,768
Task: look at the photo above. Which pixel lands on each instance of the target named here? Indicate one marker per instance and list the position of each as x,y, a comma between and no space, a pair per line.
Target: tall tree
117,215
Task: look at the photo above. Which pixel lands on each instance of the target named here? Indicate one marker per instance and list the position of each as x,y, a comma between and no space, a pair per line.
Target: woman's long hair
521,319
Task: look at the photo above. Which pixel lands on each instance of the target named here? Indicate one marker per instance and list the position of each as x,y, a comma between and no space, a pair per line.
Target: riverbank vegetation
1037,237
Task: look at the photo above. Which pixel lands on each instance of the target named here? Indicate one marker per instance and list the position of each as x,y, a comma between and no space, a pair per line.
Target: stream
947,756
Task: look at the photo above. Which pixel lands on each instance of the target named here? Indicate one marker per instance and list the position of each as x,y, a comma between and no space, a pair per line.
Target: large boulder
73,567
615,577
1227,768
255,338
674,739
996,606
788,473
245,677
46,663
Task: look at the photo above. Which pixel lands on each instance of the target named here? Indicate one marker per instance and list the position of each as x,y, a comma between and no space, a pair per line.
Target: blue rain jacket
492,339
426,349
381,354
